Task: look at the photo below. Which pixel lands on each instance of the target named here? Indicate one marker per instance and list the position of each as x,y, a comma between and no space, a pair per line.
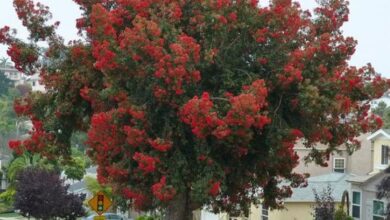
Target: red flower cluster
116,173
261,35
160,144
34,18
105,57
4,38
138,198
215,188
146,163
22,107
197,113
291,74
135,137
163,192
15,145
177,68
22,56
245,112
39,139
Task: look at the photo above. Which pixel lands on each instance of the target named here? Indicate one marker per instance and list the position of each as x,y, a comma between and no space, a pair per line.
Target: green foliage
17,165
78,140
7,197
341,215
145,217
5,84
93,186
75,168
7,115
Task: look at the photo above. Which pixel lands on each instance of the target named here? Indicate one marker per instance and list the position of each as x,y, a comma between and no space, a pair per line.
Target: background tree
93,186
5,84
324,207
195,103
17,164
41,194
7,115
384,112
341,215
75,168
4,62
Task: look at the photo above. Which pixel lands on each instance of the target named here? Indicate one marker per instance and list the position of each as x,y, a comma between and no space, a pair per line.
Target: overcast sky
369,24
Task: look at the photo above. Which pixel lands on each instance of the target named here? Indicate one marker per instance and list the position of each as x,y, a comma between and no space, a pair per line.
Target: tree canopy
41,194
195,103
5,84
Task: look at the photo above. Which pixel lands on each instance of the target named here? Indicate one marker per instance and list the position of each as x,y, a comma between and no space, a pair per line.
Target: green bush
144,217
341,215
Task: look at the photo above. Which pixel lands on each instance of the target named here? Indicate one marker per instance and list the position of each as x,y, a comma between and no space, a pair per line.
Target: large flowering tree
190,103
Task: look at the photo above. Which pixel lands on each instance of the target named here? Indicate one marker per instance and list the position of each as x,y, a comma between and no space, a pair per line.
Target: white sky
369,24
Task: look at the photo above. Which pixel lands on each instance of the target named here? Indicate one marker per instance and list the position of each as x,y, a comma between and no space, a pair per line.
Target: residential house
363,188
385,98
21,79
300,205
341,167
359,163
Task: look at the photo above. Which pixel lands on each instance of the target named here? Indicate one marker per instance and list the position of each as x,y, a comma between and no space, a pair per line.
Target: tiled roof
337,182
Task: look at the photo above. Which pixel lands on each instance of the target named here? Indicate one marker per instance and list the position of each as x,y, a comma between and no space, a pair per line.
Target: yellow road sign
100,203
99,217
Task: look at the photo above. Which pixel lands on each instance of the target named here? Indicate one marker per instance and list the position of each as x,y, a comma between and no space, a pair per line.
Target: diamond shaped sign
100,203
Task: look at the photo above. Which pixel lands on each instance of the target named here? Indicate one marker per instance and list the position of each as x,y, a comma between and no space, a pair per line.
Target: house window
385,154
264,213
339,165
356,204
378,211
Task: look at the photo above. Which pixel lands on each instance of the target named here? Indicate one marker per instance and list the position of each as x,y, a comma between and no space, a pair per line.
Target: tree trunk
179,209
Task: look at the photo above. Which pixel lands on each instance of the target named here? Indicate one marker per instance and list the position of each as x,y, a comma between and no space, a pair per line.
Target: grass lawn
9,215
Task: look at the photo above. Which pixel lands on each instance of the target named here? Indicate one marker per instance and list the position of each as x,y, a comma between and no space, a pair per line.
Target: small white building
20,78
385,98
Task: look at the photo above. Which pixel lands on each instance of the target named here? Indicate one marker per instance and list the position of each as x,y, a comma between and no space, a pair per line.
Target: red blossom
138,198
296,133
146,163
233,16
160,144
163,192
105,57
22,107
4,38
261,35
135,137
215,188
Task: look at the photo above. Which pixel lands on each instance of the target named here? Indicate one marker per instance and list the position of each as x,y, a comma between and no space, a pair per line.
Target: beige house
342,166
363,188
362,172
300,205
359,163
358,173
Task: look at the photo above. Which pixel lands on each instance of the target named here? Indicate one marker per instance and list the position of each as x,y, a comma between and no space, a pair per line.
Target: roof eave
377,133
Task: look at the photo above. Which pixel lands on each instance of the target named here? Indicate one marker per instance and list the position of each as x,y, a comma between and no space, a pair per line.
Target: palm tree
16,165
4,62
